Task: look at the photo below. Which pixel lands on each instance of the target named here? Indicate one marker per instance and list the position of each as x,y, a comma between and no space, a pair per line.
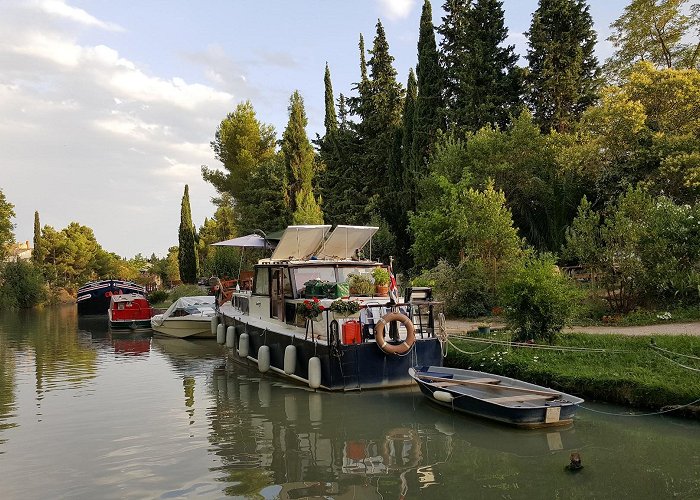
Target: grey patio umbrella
243,242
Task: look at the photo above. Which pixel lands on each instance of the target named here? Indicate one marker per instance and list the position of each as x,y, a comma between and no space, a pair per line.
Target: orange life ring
405,346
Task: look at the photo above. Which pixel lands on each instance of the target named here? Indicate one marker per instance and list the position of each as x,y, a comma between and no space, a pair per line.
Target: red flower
321,308
316,299
308,305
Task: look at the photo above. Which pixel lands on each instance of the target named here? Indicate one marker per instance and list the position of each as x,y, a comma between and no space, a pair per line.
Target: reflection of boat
310,268
276,440
129,311
187,317
93,297
132,347
496,397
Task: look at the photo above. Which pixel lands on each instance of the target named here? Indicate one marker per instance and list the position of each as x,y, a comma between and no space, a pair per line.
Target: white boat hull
185,327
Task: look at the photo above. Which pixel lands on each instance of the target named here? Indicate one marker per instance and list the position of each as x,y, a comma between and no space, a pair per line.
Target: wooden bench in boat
522,397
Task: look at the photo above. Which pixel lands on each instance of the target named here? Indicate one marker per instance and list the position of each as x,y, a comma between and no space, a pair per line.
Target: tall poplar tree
426,119
187,255
483,86
299,162
564,75
38,251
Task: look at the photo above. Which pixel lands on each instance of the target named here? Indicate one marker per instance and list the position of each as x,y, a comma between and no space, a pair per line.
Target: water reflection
285,442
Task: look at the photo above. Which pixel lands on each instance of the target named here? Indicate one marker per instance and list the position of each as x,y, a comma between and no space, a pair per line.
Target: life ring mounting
401,348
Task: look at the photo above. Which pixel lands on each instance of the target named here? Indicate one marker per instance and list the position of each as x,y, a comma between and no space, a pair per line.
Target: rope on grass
654,346
675,408
509,343
467,352
675,362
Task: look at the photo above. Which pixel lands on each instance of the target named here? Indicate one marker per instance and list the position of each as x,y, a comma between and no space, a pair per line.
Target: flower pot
381,290
344,315
484,330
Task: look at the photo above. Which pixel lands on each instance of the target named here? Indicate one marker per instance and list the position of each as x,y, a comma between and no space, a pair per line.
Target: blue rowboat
495,397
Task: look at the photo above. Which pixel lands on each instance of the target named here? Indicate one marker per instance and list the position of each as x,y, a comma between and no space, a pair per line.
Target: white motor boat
187,317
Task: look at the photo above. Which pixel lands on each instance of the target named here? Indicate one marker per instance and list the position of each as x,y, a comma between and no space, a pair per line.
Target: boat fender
443,396
290,359
243,345
230,336
315,372
263,358
214,323
220,333
405,346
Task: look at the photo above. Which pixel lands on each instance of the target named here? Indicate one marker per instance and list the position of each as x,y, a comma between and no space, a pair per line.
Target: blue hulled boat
496,397
340,348
94,297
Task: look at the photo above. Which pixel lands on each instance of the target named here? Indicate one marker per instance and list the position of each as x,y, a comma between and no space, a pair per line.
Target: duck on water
335,351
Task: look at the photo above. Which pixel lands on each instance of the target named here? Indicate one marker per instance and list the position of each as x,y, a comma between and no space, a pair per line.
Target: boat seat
522,397
445,384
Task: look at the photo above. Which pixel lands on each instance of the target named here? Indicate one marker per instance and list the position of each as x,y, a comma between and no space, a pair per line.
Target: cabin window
304,274
344,272
287,284
262,281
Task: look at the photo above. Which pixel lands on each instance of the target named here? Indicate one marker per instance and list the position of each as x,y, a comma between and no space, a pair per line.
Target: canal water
85,413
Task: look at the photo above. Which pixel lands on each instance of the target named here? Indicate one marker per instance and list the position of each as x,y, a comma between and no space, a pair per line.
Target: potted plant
311,309
360,285
345,308
381,281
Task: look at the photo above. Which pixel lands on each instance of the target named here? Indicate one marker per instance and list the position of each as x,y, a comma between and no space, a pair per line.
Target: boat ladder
349,367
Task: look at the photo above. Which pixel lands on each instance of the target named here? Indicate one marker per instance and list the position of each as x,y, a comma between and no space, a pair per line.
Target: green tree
187,254
21,285
38,252
428,102
483,84
299,162
7,212
564,75
661,32
241,144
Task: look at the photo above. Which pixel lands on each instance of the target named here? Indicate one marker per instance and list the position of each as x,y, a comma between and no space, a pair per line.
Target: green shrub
539,299
187,291
463,288
21,285
158,296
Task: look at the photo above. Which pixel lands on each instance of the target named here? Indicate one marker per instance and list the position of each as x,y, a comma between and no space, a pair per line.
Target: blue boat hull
520,415
94,297
343,367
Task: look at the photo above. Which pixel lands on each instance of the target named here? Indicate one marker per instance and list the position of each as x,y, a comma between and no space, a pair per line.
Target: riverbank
658,373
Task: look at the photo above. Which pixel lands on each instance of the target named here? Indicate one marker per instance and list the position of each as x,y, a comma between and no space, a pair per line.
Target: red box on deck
352,332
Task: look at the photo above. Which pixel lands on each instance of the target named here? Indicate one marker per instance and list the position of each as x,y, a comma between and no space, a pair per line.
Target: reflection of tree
60,358
7,386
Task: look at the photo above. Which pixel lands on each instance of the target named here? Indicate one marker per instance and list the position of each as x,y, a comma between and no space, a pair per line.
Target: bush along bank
657,373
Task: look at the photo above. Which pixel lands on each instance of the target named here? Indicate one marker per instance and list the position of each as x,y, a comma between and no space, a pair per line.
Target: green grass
638,376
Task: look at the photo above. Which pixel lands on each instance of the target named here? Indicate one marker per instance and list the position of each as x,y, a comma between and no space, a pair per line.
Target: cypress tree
564,75
409,108
299,162
426,120
330,120
187,254
483,84
379,107
38,252
404,202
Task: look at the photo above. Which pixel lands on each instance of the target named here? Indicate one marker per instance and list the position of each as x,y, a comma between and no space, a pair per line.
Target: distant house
19,251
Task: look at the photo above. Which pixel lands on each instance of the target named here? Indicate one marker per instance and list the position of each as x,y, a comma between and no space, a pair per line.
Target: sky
107,108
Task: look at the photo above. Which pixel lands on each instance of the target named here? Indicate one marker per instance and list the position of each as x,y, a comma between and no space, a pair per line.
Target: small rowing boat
496,397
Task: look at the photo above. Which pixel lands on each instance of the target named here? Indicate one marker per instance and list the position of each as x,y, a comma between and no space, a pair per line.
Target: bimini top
304,242
300,242
345,241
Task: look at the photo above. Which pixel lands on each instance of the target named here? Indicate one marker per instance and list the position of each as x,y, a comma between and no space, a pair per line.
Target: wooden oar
487,385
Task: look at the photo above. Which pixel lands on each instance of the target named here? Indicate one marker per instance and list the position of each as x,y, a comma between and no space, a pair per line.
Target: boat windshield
304,274
344,272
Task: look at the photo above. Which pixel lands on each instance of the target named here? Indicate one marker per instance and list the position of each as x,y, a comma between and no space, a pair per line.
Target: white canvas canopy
192,306
247,241
344,241
300,242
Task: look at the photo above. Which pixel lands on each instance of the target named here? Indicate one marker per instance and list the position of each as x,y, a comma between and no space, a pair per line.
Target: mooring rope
539,346
675,408
675,362
654,346
467,352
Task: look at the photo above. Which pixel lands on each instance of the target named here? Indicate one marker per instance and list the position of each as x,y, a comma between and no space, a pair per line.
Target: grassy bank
629,372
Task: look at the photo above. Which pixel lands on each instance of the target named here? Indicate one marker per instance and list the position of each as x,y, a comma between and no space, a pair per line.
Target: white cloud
397,9
60,9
